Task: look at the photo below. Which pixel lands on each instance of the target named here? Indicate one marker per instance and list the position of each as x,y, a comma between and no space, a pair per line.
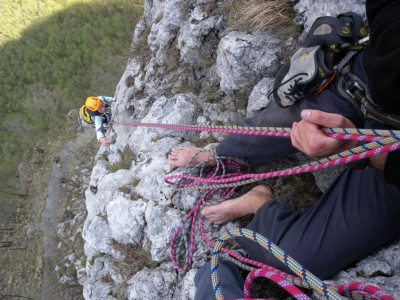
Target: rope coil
379,142
355,290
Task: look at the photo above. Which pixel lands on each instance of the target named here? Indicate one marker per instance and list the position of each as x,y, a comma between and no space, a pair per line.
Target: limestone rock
152,284
126,220
244,59
187,68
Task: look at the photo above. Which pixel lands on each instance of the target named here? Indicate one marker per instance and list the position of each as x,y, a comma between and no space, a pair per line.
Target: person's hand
105,142
309,139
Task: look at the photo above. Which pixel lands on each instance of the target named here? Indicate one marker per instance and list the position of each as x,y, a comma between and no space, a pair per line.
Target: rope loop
354,290
182,245
182,242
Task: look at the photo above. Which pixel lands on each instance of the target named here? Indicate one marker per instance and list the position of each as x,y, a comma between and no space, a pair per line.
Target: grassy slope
54,54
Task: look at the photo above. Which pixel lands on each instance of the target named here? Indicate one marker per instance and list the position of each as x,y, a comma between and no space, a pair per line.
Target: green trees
54,53
66,51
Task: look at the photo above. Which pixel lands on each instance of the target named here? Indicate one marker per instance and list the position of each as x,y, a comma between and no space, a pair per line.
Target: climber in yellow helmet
96,113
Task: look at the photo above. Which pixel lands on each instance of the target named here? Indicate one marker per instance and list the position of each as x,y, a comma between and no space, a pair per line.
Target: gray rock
98,284
152,284
97,235
126,220
194,32
258,98
190,72
161,223
185,289
309,10
244,59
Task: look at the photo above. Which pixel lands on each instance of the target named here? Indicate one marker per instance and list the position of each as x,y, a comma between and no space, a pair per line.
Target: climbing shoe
304,75
313,66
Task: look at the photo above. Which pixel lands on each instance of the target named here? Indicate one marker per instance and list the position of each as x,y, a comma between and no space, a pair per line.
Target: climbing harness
352,88
330,46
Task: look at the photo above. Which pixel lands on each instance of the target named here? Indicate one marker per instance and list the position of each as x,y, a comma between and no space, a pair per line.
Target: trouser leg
231,280
260,149
358,214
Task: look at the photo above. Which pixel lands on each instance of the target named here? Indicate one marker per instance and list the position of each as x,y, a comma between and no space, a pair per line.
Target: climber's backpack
329,45
84,117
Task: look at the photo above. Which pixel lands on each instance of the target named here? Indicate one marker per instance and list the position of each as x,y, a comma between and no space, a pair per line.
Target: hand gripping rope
380,141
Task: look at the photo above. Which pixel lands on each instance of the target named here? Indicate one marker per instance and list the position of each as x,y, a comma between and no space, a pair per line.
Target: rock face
186,68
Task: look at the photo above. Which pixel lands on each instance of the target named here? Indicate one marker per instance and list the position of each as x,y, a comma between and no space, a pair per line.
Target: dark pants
359,212
260,149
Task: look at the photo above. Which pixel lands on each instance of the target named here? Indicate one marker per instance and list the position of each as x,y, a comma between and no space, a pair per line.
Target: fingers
325,119
308,138
105,142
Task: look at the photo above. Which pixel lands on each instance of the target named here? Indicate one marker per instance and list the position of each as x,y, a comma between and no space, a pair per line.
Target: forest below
54,54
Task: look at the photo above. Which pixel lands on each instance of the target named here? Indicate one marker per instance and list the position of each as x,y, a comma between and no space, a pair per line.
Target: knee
320,267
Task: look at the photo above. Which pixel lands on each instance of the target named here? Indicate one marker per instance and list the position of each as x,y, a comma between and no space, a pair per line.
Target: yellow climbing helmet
92,103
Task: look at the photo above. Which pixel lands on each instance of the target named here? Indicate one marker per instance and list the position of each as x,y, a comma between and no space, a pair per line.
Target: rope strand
379,142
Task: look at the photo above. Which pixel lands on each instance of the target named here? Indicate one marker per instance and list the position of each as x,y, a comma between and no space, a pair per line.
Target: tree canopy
54,54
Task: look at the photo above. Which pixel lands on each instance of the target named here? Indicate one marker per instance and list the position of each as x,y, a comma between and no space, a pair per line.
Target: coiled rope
360,290
345,157
380,141
182,244
182,253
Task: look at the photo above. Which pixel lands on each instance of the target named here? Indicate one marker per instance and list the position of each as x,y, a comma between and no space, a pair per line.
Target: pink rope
286,133
193,217
263,270
377,293
275,277
236,177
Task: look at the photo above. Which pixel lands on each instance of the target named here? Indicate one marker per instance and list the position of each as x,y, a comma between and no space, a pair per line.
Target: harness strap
352,88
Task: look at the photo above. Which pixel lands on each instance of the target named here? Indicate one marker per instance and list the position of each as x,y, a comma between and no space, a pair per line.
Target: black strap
373,111
352,88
